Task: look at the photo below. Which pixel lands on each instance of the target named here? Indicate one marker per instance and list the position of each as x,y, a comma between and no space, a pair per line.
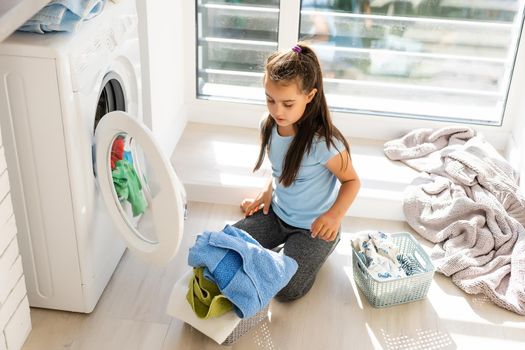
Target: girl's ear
311,95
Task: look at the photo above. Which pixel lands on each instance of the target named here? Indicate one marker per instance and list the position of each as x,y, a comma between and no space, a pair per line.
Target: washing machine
57,91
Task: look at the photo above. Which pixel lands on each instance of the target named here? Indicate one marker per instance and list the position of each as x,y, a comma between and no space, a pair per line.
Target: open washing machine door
141,191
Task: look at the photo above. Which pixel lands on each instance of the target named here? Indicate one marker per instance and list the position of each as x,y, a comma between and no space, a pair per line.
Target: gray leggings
310,253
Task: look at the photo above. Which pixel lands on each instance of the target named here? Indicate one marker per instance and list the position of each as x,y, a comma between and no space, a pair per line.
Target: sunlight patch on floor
375,342
345,245
418,339
349,274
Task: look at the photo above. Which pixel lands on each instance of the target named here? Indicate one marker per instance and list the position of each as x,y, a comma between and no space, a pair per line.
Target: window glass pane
439,59
234,38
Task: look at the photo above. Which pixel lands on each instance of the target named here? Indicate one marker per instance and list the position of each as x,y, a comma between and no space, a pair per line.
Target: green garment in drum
128,187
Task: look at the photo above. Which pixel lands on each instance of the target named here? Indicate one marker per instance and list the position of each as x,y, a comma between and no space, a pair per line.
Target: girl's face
286,104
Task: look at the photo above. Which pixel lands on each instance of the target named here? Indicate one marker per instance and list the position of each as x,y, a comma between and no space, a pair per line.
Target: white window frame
352,125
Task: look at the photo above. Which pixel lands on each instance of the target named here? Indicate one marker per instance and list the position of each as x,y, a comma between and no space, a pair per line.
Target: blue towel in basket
246,273
63,15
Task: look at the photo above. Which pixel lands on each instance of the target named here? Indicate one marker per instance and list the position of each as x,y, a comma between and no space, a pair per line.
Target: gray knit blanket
467,201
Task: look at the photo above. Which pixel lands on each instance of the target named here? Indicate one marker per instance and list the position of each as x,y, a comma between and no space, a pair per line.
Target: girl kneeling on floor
313,181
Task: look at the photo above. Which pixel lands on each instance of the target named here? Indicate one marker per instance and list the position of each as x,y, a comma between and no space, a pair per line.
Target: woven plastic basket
382,293
245,326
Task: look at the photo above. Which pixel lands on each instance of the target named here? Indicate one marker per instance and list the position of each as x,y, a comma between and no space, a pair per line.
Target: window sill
480,110
215,165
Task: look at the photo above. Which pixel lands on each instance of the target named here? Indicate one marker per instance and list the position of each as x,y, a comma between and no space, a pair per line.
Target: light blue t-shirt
315,188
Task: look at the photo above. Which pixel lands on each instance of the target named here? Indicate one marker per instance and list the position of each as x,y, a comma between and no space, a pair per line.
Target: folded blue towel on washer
245,272
63,15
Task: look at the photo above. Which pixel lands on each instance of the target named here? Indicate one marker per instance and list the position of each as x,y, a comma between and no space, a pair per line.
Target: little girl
313,181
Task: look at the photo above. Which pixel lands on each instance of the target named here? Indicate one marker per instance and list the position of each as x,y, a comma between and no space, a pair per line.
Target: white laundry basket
245,326
225,329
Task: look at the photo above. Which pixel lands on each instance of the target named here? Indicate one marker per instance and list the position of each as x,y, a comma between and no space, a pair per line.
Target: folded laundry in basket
63,15
246,273
409,264
379,254
205,297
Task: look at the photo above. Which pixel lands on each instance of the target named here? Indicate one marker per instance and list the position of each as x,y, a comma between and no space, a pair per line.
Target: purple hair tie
297,49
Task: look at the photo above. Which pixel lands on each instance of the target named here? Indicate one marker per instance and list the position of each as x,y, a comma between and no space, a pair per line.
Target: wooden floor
333,315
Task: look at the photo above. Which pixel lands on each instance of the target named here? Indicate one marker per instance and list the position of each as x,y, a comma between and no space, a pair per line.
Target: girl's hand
326,226
263,200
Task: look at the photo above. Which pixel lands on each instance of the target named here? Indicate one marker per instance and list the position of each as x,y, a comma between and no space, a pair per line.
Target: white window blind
233,40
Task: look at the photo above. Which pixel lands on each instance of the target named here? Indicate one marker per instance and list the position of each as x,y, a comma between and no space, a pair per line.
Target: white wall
515,112
15,322
163,74
516,146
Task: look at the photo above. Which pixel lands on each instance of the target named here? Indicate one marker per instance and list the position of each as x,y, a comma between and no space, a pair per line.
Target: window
234,38
446,60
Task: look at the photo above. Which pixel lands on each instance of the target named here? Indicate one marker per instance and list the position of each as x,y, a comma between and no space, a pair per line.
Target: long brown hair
301,67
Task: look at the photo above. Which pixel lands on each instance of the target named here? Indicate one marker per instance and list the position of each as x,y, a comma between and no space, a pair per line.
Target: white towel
217,328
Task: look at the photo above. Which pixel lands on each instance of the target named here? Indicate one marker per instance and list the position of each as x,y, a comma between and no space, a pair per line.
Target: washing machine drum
141,191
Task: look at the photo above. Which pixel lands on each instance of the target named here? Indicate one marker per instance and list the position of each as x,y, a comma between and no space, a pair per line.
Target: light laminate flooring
333,315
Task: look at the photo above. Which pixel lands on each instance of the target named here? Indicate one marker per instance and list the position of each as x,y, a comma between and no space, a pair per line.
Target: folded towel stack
245,272
63,15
